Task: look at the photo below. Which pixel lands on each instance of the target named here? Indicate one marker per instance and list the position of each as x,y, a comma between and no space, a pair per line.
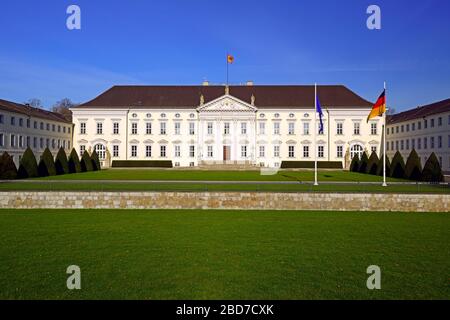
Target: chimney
250,83
205,83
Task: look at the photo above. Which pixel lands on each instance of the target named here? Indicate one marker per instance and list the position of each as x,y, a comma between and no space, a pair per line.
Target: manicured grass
199,175
66,185
223,254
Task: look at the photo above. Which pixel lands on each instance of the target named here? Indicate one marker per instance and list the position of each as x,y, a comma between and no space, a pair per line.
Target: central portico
227,131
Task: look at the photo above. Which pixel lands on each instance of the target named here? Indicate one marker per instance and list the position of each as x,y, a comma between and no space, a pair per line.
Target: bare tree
35,103
62,107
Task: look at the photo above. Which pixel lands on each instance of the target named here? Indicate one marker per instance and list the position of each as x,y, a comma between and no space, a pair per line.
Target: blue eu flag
319,110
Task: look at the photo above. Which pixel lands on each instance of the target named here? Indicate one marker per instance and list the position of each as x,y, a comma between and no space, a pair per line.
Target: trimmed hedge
380,167
86,162
372,165
432,171
8,170
142,164
61,164
74,162
310,165
413,167
47,165
354,165
398,166
28,167
95,161
363,163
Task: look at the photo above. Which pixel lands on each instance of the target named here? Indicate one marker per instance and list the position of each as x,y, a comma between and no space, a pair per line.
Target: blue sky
185,42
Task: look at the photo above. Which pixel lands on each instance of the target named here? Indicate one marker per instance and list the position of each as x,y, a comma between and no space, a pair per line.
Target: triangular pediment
227,103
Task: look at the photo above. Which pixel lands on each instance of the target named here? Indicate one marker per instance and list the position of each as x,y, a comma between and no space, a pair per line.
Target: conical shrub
398,166
363,163
28,167
372,166
413,167
95,161
74,162
432,171
61,163
354,165
86,162
8,170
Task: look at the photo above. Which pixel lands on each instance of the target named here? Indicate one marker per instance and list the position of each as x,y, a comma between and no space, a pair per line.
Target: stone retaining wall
227,200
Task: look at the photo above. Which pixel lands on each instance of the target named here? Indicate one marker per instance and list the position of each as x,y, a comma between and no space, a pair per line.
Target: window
53,127
210,128
419,143
53,143
373,149
373,129
64,129
425,143
339,152
262,128
432,123
134,151
177,128
396,129
191,128
29,142
13,141
291,128
20,122
226,128
59,128
419,125
100,149
134,128
99,128
192,151
402,145
243,151
162,128
115,128
449,141
162,151
210,152
306,128
148,151
440,121
356,129
407,128
177,151
41,126
82,149
440,142
28,123
320,152
41,143
305,151
115,151
13,121
397,145
402,128
276,151
243,127
413,126
356,150
47,144
1,118
432,142
262,151
2,140
339,129
413,143
148,128
425,124
407,144
82,127
291,151
276,128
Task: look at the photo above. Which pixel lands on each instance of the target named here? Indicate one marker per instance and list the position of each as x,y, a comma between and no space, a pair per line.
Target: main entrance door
226,153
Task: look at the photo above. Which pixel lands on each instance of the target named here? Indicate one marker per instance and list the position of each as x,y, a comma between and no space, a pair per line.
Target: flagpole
384,140
314,136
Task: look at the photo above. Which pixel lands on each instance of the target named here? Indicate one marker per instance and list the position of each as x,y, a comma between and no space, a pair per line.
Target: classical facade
207,125
425,129
22,126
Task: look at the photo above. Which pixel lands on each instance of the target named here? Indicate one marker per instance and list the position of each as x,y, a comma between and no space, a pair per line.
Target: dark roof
189,96
31,112
420,112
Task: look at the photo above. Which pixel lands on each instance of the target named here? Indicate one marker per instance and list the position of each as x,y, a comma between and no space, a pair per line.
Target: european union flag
319,110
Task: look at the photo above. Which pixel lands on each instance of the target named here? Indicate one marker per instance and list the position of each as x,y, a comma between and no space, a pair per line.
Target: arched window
101,151
356,149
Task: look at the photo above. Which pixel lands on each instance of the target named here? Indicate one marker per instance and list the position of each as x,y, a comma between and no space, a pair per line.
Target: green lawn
223,254
199,175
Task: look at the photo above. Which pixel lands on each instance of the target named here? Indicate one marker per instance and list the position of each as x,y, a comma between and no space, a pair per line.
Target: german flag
230,59
379,108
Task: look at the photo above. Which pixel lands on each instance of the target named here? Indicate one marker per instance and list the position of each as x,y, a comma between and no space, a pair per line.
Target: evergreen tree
28,167
432,171
354,165
74,162
380,167
363,163
413,167
61,163
47,165
86,162
8,170
398,166
372,166
95,161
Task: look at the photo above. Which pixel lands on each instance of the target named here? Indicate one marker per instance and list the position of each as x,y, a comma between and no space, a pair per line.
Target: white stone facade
19,131
225,130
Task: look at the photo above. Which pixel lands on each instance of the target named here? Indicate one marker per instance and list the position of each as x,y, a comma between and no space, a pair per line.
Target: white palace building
216,125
